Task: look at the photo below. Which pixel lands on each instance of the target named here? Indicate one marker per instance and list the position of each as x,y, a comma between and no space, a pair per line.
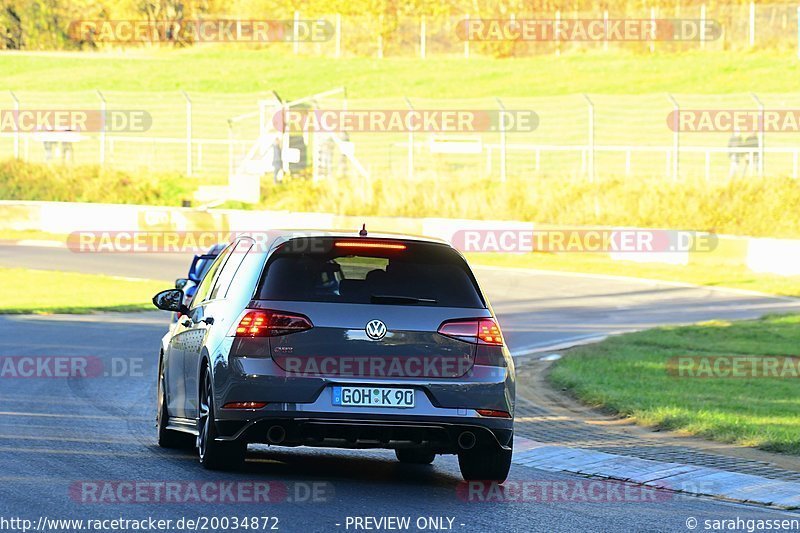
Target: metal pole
422,37
676,146
760,135
653,22
380,36
338,35
466,35
557,34
702,26
752,24
103,129
591,138
16,122
188,134
295,32
410,164
503,148
230,151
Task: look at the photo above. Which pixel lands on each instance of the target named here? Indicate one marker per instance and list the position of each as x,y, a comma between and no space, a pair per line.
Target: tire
415,457
214,455
485,464
168,438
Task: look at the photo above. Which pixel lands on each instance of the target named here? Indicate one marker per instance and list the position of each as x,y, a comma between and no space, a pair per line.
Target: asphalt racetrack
85,449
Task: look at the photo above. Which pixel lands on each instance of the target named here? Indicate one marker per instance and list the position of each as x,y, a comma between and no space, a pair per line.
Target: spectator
66,149
277,160
734,143
345,139
752,142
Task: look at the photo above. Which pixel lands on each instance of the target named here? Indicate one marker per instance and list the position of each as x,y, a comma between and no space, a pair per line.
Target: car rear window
315,270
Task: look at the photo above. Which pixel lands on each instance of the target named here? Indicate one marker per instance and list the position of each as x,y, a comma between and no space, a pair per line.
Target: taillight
479,331
268,323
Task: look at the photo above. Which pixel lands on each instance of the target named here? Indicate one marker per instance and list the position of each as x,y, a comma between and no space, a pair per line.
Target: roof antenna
363,232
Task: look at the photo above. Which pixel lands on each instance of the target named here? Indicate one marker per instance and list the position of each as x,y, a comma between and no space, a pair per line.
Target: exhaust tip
276,434
466,440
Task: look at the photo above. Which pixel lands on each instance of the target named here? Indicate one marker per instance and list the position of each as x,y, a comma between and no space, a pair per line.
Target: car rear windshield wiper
400,300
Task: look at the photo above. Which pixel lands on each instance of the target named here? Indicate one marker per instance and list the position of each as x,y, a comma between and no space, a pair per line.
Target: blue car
198,268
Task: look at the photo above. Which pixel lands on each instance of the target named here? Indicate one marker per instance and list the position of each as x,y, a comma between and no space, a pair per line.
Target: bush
757,207
88,183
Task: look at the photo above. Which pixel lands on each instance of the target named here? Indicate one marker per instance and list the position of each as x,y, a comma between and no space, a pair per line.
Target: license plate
373,397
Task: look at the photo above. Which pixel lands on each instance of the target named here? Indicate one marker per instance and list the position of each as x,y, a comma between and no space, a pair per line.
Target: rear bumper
260,379
303,407
440,436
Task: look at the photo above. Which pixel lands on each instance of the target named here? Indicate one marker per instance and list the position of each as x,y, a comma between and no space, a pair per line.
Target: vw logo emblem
376,330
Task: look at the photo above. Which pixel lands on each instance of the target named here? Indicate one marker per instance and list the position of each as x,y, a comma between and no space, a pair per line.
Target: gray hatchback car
330,339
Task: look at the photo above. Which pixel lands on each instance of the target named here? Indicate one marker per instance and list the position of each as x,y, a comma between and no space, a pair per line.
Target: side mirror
170,300
180,283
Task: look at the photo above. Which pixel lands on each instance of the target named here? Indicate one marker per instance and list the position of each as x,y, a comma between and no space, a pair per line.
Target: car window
421,274
230,268
210,277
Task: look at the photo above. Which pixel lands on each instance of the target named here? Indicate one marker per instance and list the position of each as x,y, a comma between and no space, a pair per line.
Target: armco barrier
763,255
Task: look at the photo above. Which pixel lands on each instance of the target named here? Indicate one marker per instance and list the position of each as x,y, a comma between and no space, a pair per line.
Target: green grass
752,207
90,183
628,375
50,291
629,91
701,270
233,69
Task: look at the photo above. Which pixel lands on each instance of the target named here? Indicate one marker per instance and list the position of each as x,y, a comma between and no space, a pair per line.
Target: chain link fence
743,26
578,137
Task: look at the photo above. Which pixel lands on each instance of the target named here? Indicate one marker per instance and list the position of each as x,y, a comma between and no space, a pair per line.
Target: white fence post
410,170
103,129
760,135
557,34
752,26
296,33
230,150
16,121
503,147
702,26
422,37
466,35
676,138
653,22
338,35
188,133
591,138
380,36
